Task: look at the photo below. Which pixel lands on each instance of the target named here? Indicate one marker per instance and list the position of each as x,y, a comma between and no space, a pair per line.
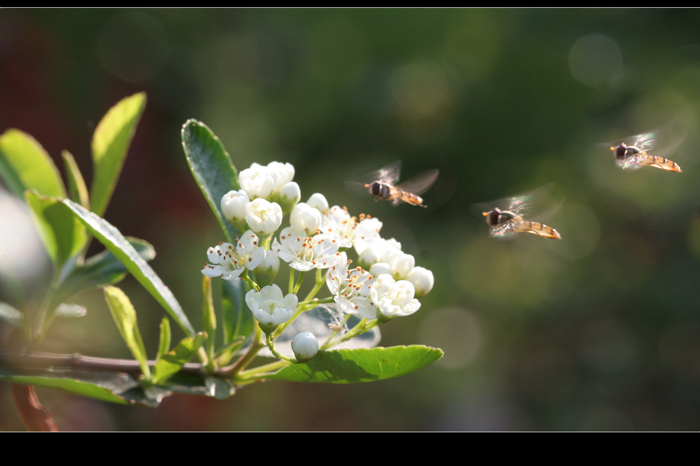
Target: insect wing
629,163
505,230
662,140
420,183
388,174
537,202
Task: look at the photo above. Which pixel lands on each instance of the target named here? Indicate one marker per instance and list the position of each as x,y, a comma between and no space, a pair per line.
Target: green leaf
100,270
115,242
24,165
212,169
170,363
164,338
62,234
192,385
110,144
77,190
360,365
125,317
219,388
105,386
237,319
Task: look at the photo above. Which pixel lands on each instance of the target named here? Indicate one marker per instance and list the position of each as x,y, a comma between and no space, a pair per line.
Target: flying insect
384,187
506,217
638,153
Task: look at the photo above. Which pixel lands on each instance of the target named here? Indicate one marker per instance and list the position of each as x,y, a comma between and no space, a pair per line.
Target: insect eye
620,151
492,218
375,188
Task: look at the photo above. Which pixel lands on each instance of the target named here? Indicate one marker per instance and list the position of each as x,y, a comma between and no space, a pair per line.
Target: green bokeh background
599,331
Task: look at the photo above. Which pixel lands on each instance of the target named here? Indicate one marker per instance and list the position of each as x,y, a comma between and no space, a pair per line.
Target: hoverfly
384,187
637,154
505,217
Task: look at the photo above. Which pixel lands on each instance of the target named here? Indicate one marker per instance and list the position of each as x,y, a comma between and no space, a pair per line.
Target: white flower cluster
266,194
384,284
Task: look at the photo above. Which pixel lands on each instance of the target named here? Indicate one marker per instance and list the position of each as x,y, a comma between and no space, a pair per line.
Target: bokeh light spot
22,253
594,60
458,332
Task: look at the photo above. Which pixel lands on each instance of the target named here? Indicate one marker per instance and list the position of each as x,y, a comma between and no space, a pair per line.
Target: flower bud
266,272
370,255
422,280
400,262
305,217
233,207
263,217
318,201
379,268
257,181
281,172
305,346
288,196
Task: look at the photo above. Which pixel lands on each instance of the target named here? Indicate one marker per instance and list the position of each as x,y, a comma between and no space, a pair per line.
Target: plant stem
250,281
329,342
77,361
253,349
297,285
35,416
320,280
265,369
271,346
44,317
361,327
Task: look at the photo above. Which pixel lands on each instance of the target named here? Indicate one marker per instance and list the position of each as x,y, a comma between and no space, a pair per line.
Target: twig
34,415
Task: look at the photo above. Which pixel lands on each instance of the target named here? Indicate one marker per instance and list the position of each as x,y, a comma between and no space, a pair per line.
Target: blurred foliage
596,332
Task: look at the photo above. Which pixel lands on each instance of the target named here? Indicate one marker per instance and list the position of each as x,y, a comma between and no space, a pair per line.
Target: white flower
257,181
371,255
228,261
305,346
379,268
282,173
270,307
393,298
376,251
268,269
266,181
233,205
422,280
288,196
338,223
401,263
318,201
304,217
262,216
366,232
351,288
387,251
304,252
346,229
